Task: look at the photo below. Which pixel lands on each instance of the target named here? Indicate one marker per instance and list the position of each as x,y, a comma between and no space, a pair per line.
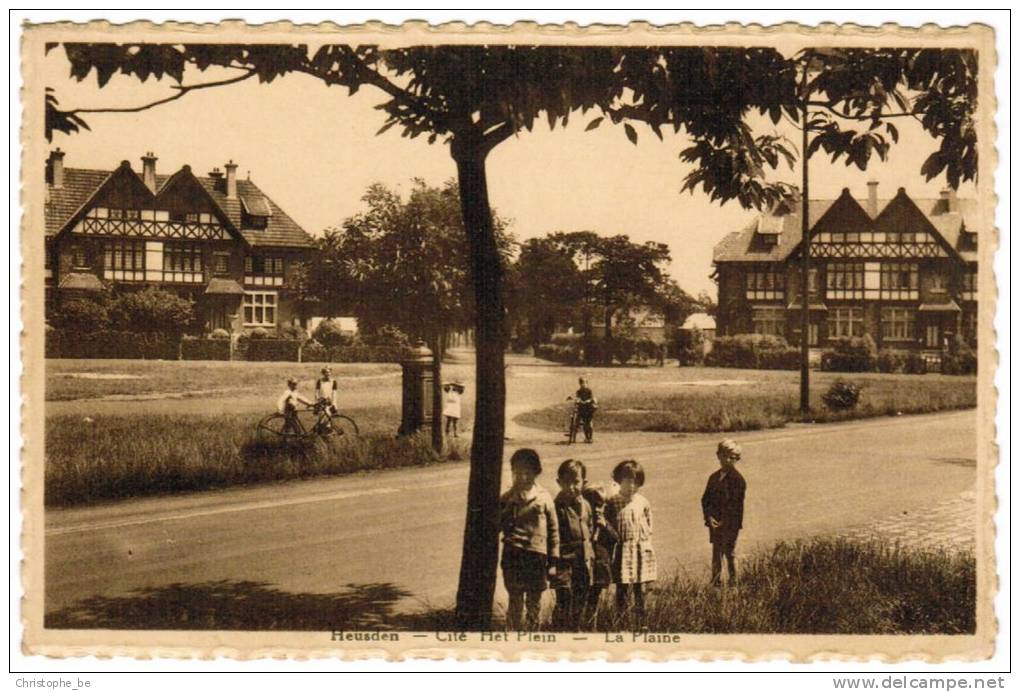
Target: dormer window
255,211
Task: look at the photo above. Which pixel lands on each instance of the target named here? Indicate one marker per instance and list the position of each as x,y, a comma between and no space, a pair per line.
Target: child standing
452,392
531,541
573,573
603,542
631,516
723,507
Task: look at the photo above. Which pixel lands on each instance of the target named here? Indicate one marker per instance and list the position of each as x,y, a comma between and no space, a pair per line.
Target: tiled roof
223,287
81,281
748,245
280,231
63,202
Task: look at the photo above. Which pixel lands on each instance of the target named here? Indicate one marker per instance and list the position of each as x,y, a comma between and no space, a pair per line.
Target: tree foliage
402,263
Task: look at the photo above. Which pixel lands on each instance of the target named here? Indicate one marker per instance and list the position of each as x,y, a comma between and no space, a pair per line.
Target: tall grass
756,407
823,586
116,457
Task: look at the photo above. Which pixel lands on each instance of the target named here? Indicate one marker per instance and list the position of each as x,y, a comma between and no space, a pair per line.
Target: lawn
105,458
717,399
92,379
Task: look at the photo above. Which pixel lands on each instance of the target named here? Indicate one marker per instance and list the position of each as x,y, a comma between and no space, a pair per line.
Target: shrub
842,396
293,331
647,349
219,334
258,333
273,349
623,348
892,360
81,315
205,349
851,354
152,311
330,335
566,339
387,336
314,352
689,347
960,360
559,354
753,351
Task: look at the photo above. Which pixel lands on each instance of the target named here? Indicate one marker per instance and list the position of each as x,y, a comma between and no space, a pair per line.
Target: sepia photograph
409,339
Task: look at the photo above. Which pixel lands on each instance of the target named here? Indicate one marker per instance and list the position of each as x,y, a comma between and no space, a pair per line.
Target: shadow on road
234,605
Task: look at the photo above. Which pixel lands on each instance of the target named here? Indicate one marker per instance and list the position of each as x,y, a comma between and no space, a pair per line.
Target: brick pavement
951,523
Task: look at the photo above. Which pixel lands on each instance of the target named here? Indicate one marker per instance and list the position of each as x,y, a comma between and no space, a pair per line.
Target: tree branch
182,89
828,107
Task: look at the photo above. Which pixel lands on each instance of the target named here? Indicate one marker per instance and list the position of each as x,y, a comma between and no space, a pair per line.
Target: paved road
402,528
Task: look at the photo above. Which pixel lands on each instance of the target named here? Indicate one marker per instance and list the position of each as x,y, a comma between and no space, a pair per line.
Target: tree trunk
481,530
607,346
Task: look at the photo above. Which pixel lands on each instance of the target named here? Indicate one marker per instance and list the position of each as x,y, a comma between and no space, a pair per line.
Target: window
255,264
846,322
899,280
844,280
969,284
221,263
897,324
259,309
123,255
78,258
938,283
183,257
768,320
765,284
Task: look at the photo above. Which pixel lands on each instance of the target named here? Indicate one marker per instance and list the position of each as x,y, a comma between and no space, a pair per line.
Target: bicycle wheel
341,426
274,427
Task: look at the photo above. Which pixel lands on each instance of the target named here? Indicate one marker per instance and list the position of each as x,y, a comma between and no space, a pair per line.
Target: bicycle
319,419
574,424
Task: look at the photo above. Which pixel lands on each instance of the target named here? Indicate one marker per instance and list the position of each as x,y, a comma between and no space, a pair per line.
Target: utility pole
805,255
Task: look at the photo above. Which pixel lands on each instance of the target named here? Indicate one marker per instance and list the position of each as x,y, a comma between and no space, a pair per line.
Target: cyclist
586,404
287,405
325,389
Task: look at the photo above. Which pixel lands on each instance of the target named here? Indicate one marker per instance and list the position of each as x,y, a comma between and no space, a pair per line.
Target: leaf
631,133
594,123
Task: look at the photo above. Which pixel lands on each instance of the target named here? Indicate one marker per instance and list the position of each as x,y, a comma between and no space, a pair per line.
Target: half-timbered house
216,239
903,270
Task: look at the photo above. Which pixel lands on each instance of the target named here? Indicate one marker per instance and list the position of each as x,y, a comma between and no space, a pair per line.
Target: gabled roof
81,185
749,245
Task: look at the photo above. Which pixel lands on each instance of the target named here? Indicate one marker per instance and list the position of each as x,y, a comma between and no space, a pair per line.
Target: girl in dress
452,392
631,515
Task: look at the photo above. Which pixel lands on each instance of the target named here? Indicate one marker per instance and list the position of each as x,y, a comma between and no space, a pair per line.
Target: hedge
756,351
205,349
274,349
66,343
366,354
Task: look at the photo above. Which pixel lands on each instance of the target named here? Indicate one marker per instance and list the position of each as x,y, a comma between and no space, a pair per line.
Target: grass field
822,586
116,457
90,379
745,404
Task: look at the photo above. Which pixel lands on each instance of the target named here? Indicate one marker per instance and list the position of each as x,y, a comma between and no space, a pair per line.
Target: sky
314,150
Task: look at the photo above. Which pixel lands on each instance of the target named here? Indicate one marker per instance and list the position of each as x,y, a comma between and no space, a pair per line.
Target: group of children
593,535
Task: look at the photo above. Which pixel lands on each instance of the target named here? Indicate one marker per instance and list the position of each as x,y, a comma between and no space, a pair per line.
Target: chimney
56,166
217,176
872,198
231,169
949,202
149,171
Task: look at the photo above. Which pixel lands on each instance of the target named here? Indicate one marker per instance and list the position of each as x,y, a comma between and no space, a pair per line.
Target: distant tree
549,289
403,263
